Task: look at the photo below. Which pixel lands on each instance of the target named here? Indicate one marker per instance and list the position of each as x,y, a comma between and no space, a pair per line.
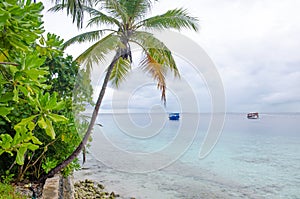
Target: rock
89,189
112,194
100,186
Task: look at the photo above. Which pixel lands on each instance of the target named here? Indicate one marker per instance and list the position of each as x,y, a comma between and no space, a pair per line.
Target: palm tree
130,25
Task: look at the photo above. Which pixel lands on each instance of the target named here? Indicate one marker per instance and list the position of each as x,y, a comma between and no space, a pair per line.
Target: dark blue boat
174,116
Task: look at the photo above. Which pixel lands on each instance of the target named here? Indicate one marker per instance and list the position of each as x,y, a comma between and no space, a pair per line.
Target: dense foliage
38,127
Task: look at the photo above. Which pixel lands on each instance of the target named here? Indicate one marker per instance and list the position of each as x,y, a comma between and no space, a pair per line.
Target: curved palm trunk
82,144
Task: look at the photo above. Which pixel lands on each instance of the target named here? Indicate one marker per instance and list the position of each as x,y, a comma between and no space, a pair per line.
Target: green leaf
59,105
49,129
52,102
3,18
31,146
42,41
6,97
16,95
35,73
20,155
17,44
17,138
26,121
31,125
57,118
44,99
5,110
5,142
23,90
42,124
35,140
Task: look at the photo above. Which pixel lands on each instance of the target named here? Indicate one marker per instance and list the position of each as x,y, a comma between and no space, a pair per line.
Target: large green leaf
5,141
42,123
57,118
5,110
17,138
31,146
35,74
26,121
35,140
3,18
59,105
44,99
20,155
16,94
52,101
49,129
31,126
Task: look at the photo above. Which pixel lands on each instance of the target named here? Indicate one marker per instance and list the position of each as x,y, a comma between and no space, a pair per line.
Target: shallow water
252,158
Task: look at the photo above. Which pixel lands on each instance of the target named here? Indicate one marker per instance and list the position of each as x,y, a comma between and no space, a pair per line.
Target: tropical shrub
37,125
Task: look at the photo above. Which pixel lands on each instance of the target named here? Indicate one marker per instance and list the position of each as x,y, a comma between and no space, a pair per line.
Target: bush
38,127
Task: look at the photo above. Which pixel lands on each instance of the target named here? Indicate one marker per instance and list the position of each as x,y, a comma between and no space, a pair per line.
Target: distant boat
174,116
252,115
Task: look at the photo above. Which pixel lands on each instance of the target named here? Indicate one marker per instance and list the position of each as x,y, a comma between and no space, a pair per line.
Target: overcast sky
254,44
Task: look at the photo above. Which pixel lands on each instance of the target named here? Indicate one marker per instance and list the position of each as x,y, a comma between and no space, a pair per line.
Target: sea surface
149,156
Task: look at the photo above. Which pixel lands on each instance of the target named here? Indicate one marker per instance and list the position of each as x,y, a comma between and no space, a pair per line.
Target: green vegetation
7,191
38,128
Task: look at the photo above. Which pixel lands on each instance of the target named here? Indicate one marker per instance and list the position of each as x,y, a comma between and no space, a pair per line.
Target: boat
253,115
174,116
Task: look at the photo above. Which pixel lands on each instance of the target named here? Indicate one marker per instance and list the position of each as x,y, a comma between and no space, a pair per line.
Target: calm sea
148,156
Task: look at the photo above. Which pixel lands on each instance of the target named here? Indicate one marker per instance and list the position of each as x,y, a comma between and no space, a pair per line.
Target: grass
7,191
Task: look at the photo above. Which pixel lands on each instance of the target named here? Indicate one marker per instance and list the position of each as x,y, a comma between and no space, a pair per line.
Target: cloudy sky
254,46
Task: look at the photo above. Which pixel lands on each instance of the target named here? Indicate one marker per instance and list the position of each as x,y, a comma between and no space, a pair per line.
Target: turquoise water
252,158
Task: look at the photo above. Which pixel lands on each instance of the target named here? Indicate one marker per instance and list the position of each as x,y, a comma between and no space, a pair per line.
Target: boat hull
174,116
252,116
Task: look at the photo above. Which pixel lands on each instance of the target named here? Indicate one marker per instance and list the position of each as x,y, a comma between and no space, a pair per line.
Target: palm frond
74,8
136,9
58,7
157,71
85,37
176,19
115,9
101,18
99,50
120,70
156,49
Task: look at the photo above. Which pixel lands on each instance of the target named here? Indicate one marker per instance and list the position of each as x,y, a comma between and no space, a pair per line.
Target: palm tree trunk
82,144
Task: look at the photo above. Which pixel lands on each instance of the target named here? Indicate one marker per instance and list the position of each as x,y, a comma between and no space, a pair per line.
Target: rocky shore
89,189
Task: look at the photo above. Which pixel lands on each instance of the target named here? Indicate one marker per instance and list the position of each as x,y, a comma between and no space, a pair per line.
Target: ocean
149,156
